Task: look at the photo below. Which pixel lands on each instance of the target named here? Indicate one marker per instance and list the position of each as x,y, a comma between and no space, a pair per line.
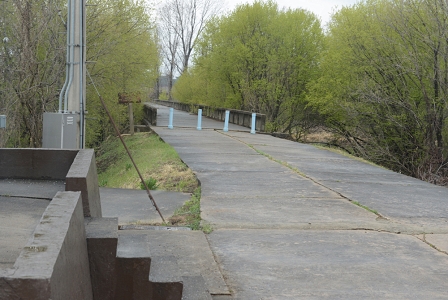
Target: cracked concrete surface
287,227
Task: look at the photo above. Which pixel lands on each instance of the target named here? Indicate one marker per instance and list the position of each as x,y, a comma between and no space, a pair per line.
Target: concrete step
132,265
193,255
166,283
195,288
102,240
182,265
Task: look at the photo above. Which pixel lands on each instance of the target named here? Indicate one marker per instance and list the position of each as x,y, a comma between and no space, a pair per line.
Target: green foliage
190,214
384,82
154,158
257,58
32,64
122,42
151,183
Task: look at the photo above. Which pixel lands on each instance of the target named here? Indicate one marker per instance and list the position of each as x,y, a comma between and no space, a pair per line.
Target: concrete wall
76,167
176,105
239,117
82,176
150,114
47,164
54,264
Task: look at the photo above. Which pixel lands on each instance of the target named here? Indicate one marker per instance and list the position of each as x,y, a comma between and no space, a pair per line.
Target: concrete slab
18,218
266,212
192,252
134,206
22,203
43,189
291,264
278,231
393,195
195,288
280,184
440,241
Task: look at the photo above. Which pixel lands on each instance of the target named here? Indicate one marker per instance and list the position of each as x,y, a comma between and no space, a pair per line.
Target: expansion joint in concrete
423,239
27,197
300,173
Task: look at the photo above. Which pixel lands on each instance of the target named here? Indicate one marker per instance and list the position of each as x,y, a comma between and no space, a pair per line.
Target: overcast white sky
322,8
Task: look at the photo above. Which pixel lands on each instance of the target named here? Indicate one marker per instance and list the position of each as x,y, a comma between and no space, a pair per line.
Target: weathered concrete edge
82,176
102,239
54,264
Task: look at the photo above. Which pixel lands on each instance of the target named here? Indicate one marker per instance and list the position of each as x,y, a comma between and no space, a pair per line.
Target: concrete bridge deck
296,222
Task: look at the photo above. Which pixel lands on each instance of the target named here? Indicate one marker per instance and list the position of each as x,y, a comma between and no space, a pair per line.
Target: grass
157,161
161,168
366,208
283,163
190,214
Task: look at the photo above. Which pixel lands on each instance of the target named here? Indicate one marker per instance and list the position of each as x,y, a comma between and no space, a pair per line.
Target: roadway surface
296,222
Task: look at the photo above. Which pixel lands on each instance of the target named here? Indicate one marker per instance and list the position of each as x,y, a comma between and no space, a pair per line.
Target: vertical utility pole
66,128
73,94
76,91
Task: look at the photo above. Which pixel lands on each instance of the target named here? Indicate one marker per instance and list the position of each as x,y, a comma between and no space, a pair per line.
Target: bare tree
180,26
169,43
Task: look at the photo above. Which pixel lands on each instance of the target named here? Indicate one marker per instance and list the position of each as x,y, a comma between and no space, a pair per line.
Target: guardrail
238,117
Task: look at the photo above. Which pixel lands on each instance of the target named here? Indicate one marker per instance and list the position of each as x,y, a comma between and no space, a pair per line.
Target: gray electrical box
61,130
2,121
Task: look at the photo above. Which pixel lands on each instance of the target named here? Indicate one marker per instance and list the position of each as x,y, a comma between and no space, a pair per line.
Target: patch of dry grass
153,157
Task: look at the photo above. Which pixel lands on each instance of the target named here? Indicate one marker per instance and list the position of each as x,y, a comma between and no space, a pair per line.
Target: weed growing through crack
283,163
366,208
190,214
151,183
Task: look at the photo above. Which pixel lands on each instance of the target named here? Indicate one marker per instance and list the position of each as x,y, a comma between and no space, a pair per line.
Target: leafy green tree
32,62
122,55
383,86
257,58
122,43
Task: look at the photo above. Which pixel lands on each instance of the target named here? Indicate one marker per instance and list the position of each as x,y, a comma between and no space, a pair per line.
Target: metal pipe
72,50
81,73
67,58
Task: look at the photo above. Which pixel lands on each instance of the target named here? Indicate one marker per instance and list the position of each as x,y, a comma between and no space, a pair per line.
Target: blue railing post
199,119
170,123
254,117
2,121
226,122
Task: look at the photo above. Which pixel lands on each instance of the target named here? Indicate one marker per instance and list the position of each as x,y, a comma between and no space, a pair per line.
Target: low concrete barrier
54,264
38,164
102,239
82,176
76,167
150,114
176,105
238,117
